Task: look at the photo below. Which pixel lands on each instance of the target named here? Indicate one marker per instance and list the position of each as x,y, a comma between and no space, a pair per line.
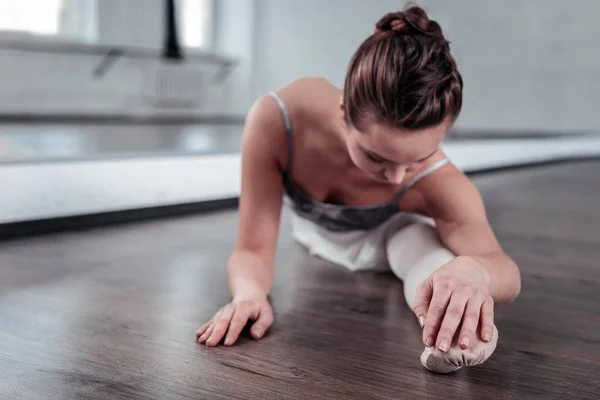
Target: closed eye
426,158
378,160
374,159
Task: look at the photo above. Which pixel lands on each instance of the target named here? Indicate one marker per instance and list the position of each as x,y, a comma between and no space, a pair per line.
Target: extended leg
415,252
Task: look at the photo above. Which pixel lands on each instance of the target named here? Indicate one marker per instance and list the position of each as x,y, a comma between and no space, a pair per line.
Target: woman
370,188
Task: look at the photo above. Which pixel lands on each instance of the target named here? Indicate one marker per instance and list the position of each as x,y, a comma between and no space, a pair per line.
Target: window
31,16
80,20
195,22
72,19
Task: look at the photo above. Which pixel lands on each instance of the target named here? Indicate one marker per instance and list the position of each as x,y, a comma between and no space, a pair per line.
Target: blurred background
113,105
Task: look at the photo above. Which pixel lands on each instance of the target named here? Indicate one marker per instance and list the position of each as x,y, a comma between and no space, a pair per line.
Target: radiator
173,86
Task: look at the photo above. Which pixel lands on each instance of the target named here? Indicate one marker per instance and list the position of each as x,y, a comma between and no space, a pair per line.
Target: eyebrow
378,157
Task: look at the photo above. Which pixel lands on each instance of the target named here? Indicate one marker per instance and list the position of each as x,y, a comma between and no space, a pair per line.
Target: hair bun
412,21
392,22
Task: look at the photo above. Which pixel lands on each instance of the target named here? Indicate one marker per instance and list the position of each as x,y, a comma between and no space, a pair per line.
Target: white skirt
355,250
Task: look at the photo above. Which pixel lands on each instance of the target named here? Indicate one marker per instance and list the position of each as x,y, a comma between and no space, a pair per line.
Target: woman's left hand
456,295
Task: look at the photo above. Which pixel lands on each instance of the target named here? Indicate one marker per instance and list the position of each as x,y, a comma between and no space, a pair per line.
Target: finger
487,320
220,326
262,324
202,329
470,322
422,300
240,317
452,317
207,333
435,313
210,326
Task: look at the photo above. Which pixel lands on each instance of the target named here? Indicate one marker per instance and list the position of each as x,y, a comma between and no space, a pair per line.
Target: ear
341,106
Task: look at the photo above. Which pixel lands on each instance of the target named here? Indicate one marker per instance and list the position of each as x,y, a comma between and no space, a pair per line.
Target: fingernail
257,333
487,337
227,341
465,341
422,321
444,345
429,341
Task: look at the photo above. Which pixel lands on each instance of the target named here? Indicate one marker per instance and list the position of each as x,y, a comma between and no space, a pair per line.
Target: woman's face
388,154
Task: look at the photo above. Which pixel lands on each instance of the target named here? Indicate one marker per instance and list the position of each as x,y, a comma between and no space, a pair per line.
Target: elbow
516,291
510,288
515,287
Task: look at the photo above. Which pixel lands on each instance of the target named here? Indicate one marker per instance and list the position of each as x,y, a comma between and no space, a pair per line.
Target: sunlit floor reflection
67,142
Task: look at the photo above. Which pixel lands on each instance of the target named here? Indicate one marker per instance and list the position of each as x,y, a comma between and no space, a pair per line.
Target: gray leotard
334,217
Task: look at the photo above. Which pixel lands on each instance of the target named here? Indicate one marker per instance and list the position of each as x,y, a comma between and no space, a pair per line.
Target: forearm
505,278
249,274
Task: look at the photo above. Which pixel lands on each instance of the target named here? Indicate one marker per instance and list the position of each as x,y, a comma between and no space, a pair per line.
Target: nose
395,175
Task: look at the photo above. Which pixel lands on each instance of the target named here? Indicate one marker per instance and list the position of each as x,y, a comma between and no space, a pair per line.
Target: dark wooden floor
111,313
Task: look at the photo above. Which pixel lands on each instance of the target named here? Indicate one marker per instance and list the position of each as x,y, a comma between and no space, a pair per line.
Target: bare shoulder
265,130
306,87
307,97
449,195
264,134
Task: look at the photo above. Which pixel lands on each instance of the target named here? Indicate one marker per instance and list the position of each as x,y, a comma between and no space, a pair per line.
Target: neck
335,121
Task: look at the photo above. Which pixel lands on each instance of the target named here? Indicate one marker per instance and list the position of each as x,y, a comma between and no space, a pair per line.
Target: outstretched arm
459,212
251,263
250,266
462,293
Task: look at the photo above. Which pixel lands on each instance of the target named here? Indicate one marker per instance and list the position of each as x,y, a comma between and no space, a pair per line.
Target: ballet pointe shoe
456,358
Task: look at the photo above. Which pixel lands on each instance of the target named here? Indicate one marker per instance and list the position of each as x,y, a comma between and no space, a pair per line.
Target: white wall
236,26
42,83
131,22
312,37
528,65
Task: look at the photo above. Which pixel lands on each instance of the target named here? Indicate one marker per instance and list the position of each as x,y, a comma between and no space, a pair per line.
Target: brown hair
403,75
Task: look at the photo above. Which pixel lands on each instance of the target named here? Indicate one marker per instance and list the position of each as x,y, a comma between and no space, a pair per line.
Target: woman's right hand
230,320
